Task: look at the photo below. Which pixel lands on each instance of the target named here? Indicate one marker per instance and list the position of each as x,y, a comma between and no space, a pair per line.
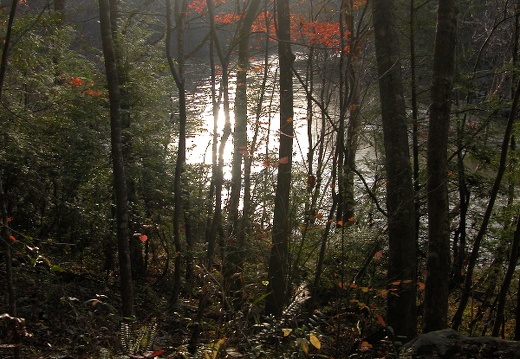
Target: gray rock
448,343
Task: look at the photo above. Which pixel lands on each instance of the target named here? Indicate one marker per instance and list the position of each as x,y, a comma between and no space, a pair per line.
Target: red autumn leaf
378,255
12,238
157,353
227,18
381,320
197,6
365,346
143,238
283,160
76,81
93,93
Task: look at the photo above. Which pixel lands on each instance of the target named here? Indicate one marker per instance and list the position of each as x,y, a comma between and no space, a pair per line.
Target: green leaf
56,268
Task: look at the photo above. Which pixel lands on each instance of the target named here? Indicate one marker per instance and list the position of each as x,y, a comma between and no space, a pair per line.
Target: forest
258,178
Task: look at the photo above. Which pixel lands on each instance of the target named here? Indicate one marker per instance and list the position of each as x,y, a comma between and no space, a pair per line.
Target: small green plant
137,341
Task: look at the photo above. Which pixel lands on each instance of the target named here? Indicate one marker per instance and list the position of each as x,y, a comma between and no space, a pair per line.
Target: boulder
450,344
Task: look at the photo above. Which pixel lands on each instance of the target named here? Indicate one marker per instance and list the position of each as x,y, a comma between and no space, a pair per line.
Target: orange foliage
312,33
76,81
199,6
88,89
229,18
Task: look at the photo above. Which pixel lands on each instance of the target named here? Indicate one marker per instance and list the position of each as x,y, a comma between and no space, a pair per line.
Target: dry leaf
315,341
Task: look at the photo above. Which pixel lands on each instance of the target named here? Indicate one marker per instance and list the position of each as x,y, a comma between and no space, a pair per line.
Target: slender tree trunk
504,289
351,103
457,318
460,235
127,293
256,133
5,233
123,68
517,315
513,163
215,212
281,227
415,119
236,233
438,263
178,76
218,180
402,265
59,8
316,183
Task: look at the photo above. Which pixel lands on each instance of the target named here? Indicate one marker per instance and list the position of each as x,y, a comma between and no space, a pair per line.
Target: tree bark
504,289
59,8
236,246
120,187
178,76
402,265
350,102
5,232
438,262
218,169
281,229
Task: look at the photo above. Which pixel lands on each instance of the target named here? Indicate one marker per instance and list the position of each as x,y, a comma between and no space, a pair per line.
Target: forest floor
74,313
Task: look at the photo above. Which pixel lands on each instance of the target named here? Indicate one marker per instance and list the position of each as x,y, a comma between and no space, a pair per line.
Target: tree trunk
402,265
123,68
438,262
218,172
178,76
127,294
457,318
350,103
281,228
460,235
5,236
5,233
504,289
59,8
415,119
236,244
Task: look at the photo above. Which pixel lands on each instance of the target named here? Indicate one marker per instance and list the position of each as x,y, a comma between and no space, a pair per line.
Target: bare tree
438,264
120,187
178,76
402,265
281,229
236,249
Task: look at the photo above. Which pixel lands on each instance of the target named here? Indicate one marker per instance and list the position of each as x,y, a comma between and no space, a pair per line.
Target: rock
448,343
